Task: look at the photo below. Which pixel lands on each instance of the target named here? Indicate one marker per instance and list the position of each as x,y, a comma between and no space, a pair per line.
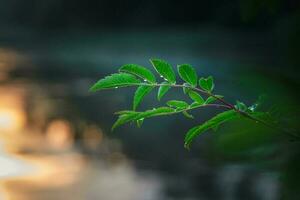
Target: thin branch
192,108
226,105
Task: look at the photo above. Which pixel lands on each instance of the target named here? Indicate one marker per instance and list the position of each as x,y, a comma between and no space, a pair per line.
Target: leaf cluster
198,89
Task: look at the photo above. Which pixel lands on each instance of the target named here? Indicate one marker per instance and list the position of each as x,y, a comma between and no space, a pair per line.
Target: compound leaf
115,81
188,74
139,71
164,69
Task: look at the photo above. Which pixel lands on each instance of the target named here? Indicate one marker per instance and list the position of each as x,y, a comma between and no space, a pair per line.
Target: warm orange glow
10,119
92,136
12,114
9,59
59,134
52,174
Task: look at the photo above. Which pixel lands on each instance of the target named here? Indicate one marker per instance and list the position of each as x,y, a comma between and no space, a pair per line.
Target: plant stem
192,108
226,104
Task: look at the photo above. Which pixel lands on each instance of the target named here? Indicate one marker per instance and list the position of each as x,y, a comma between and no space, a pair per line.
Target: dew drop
161,76
145,80
116,87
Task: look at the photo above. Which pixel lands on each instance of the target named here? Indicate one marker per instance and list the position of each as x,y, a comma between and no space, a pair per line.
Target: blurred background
55,138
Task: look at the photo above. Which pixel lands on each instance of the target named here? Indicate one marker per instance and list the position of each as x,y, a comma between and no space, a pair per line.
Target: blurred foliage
247,142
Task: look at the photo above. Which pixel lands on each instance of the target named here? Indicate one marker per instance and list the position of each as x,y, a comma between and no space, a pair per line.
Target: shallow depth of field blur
55,138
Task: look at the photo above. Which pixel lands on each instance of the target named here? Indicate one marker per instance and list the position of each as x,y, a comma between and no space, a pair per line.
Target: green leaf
196,97
188,115
128,116
164,69
139,71
115,81
207,83
188,74
241,106
212,123
155,112
139,94
124,118
177,104
162,90
186,88
212,99
195,104
124,112
139,122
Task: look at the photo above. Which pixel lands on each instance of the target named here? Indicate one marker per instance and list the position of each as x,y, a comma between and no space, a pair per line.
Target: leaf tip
152,60
187,146
93,88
